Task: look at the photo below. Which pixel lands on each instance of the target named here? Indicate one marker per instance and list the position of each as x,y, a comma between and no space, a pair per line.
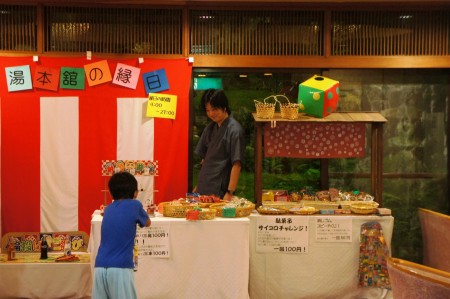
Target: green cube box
319,95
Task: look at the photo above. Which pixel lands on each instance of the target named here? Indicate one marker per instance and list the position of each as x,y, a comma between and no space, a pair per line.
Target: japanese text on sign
282,234
161,105
126,75
19,78
154,241
97,73
334,229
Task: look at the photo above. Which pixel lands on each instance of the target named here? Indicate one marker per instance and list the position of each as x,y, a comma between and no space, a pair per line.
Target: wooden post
258,162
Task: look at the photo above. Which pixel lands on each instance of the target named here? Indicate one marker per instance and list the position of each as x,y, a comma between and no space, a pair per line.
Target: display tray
326,205
364,207
300,211
34,257
271,211
282,205
356,207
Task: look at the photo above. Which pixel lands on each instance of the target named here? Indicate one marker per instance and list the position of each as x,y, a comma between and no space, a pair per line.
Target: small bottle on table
44,248
11,252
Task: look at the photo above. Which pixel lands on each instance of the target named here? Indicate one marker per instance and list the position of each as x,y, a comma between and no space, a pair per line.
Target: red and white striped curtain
53,145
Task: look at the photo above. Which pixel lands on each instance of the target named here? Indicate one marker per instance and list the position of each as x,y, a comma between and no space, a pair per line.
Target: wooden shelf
374,119
366,117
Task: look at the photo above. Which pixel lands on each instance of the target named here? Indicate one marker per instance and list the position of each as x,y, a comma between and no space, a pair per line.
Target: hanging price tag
161,105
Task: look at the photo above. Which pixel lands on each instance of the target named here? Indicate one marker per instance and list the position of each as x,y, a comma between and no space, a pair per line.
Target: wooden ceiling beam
233,2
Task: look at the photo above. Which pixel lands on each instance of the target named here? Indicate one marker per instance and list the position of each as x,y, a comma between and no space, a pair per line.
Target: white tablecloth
208,259
328,270
45,280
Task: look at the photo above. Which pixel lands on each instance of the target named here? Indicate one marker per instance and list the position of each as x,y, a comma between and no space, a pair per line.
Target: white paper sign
282,234
154,241
334,229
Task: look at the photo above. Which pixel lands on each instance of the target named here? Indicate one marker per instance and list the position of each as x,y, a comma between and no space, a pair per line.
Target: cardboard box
275,195
319,95
267,195
280,195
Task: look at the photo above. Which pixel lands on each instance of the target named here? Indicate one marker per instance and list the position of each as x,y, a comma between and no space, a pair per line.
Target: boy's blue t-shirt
118,233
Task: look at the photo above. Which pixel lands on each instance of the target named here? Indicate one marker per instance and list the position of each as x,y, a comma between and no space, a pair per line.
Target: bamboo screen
113,30
132,30
18,28
384,33
280,33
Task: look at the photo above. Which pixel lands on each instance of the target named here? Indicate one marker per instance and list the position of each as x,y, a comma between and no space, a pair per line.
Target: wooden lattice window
113,30
144,30
18,29
389,33
279,33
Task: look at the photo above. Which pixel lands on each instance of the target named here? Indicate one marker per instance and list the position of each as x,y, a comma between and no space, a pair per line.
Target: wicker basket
244,211
304,211
265,109
368,207
207,214
264,210
282,205
208,204
176,211
288,110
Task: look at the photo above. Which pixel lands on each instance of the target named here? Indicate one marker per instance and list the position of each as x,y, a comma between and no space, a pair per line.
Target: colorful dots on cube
319,95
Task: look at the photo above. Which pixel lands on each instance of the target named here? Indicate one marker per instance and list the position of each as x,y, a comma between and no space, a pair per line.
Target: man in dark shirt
221,147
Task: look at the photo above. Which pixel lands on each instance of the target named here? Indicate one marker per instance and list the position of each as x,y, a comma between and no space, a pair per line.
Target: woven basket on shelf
265,109
244,211
288,110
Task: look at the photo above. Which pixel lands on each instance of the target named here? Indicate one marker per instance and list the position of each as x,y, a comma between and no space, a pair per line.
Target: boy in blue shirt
113,273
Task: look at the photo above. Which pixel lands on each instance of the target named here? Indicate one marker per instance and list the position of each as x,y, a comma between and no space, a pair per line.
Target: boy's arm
143,215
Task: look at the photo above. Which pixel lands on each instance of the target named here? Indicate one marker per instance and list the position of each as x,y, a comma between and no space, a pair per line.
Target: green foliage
292,181
246,186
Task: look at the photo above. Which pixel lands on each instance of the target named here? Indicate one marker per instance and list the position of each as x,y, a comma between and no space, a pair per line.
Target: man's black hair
216,98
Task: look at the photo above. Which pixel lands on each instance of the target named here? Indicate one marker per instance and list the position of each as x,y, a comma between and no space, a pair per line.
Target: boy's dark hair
216,98
122,185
